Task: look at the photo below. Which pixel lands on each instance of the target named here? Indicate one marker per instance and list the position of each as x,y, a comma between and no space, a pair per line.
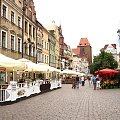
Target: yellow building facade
11,28
54,27
29,31
45,50
10,33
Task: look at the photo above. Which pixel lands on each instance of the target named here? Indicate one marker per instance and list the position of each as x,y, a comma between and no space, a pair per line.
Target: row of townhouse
18,29
23,36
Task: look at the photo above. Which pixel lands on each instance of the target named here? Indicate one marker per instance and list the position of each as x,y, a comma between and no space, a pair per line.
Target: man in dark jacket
77,81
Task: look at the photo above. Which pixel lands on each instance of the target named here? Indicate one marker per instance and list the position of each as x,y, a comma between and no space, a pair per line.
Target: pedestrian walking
91,79
94,82
74,84
77,81
98,82
83,80
88,78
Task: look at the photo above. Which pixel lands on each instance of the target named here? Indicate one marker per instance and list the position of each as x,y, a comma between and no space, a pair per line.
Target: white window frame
6,10
20,21
14,16
6,38
20,44
10,42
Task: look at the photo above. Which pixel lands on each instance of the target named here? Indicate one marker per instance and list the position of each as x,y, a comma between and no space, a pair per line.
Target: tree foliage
102,61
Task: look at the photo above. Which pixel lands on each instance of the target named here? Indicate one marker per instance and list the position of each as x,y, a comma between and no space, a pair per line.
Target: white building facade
80,64
111,48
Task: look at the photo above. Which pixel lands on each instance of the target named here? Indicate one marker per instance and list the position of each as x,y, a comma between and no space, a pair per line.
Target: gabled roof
84,42
114,46
52,26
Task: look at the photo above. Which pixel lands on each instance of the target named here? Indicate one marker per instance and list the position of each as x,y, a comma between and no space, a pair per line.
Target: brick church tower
84,50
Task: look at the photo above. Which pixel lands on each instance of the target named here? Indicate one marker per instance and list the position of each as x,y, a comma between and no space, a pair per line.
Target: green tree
102,61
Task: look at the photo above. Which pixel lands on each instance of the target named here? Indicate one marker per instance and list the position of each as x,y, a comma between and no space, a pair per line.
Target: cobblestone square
67,104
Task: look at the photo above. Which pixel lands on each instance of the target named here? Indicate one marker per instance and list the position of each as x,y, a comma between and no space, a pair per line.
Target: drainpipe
36,41
23,13
49,36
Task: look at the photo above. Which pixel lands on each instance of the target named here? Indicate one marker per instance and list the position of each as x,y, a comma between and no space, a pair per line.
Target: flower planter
110,87
106,87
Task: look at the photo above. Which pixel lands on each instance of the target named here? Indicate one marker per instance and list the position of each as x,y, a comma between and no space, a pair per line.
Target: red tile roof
76,51
83,42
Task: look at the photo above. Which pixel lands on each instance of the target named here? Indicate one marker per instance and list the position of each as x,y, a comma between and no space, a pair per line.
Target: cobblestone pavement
67,104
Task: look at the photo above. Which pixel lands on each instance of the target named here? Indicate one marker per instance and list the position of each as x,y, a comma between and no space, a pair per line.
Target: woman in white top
98,82
83,80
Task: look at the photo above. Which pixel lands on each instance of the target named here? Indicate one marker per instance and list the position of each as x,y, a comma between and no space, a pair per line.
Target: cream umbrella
11,64
48,68
29,64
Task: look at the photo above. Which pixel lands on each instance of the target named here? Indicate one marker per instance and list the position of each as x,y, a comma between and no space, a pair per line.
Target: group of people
94,80
78,81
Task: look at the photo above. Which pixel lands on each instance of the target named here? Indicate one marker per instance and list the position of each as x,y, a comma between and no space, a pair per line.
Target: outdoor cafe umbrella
30,66
48,68
109,72
11,64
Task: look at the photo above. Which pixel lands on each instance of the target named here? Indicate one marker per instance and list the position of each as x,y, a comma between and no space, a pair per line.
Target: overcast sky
98,20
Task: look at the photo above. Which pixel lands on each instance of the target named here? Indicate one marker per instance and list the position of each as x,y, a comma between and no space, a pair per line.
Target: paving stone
67,104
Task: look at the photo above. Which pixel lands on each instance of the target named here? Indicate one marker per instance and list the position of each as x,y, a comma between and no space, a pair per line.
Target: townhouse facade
11,28
70,57
23,36
80,64
65,52
10,31
111,48
55,30
52,44
45,49
29,33
39,42
61,45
